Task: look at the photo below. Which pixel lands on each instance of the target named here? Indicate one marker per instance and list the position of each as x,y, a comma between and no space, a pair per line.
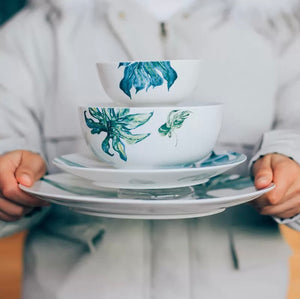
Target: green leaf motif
223,181
175,120
143,75
117,124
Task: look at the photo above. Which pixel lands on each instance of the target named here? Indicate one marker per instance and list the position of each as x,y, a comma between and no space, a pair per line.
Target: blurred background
8,8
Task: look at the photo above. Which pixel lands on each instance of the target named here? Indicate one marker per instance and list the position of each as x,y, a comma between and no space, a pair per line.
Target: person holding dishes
249,51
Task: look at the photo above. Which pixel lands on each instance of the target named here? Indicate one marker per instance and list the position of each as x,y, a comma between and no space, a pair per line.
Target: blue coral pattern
143,75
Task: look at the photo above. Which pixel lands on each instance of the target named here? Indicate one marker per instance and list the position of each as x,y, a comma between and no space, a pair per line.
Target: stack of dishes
152,158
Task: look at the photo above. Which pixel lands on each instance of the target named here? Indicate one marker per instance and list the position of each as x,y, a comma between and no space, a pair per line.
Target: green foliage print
175,121
117,123
143,75
223,181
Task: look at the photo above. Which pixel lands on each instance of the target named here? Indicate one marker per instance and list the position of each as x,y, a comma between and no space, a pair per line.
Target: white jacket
47,68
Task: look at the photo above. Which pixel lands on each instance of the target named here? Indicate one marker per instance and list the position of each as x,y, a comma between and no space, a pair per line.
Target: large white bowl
146,83
151,137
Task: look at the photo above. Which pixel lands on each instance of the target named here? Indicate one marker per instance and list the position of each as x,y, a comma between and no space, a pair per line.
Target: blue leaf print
167,71
215,160
143,75
223,181
127,82
133,121
154,78
140,78
175,121
105,145
117,124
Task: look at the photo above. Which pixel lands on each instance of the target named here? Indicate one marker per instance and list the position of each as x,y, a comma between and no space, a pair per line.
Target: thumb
31,168
263,172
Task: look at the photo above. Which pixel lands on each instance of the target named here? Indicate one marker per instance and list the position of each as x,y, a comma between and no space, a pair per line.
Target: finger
13,209
9,185
260,202
283,182
263,173
31,168
289,214
275,210
12,192
7,218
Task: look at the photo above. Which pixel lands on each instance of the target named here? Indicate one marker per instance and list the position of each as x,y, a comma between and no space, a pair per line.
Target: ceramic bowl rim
169,107
198,61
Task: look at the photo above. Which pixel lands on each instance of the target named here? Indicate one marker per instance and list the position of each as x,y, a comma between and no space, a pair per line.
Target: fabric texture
247,66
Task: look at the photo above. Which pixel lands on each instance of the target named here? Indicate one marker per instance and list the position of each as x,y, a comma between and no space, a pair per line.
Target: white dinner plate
80,194
104,175
148,217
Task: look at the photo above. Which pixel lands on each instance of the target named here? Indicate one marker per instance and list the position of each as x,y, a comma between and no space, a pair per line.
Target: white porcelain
151,137
140,83
77,193
147,217
88,167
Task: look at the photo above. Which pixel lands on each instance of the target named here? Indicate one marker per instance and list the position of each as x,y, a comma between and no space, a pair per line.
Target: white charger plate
84,197
88,167
147,217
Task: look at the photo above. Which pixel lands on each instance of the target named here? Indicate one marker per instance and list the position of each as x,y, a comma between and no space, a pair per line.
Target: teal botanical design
117,123
223,181
221,159
79,190
175,121
143,75
69,163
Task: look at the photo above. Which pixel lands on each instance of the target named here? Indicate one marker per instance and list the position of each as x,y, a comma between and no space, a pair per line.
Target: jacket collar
136,29
139,31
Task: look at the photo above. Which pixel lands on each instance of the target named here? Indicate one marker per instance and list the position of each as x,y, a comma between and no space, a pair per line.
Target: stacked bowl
150,153
148,145
148,139
147,127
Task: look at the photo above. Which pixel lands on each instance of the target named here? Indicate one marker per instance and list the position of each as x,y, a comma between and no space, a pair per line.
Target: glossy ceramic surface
76,193
144,83
152,137
88,167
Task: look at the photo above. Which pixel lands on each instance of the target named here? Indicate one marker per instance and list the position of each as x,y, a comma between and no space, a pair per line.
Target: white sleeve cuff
293,222
11,144
285,142
7,229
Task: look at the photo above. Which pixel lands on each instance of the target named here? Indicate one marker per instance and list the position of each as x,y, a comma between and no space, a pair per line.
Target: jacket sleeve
23,82
23,76
7,229
284,138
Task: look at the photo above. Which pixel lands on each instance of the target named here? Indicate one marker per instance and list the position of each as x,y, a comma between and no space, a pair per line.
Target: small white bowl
151,137
146,83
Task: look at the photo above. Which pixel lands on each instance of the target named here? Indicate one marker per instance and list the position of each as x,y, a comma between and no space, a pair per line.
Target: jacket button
122,15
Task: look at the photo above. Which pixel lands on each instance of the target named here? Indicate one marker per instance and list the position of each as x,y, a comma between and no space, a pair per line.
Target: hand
22,167
284,200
